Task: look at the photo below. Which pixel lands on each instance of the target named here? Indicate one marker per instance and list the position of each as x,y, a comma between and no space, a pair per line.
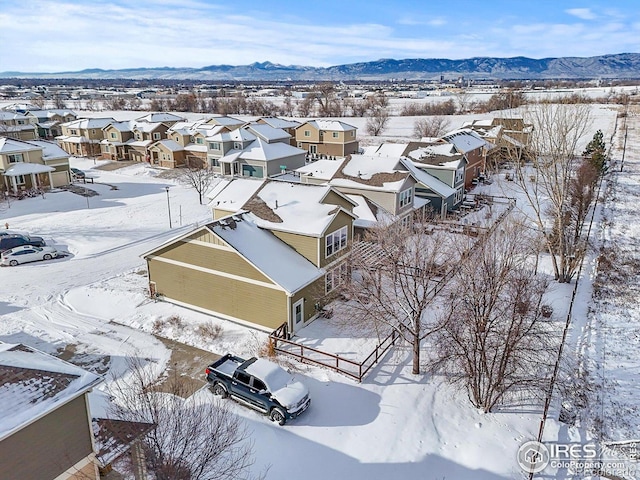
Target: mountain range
616,66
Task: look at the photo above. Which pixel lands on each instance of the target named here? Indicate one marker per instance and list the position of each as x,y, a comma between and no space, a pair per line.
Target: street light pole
168,205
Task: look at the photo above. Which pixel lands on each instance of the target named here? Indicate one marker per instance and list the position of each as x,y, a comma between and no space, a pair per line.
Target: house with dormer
269,263
328,138
17,125
46,430
48,121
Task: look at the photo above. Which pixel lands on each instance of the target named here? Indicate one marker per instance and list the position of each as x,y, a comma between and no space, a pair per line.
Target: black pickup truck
259,384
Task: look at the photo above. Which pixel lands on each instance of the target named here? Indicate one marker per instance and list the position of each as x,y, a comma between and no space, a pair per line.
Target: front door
313,149
298,314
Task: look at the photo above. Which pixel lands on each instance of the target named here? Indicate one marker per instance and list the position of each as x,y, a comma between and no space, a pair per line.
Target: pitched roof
260,149
267,132
50,150
371,173
33,383
10,145
232,193
331,125
168,144
466,140
322,169
428,180
85,123
277,122
159,117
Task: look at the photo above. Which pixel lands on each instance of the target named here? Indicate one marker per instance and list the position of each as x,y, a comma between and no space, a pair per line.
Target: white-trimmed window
335,277
307,133
215,162
353,133
114,135
214,145
459,175
406,197
15,158
200,140
336,241
459,195
74,132
19,179
156,135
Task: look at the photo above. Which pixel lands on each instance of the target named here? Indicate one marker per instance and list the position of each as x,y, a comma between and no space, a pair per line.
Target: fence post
337,363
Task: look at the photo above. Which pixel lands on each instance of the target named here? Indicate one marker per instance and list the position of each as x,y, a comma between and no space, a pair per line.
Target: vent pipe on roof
276,203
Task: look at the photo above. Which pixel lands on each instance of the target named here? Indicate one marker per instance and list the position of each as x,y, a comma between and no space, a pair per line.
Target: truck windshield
277,379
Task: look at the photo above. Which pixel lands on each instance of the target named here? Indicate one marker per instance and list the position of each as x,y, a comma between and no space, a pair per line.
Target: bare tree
377,122
545,172
431,126
198,175
496,337
394,272
194,437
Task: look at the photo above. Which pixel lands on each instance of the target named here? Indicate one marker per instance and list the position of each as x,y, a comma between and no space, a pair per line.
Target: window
243,378
137,136
459,195
156,136
259,384
335,277
336,241
405,197
74,132
214,145
252,171
215,162
459,175
335,135
307,133
15,158
199,140
114,135
20,180
353,133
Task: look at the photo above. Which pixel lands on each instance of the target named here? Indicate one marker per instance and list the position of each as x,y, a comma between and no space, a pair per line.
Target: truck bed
227,365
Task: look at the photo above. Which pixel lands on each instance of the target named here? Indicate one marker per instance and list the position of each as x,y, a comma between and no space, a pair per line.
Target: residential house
166,153
117,136
474,148
32,164
224,121
288,126
192,136
224,144
331,138
268,264
510,136
82,137
48,122
45,426
144,134
17,125
445,163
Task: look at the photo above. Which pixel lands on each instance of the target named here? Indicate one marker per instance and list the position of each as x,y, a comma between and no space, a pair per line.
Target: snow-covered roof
138,143
466,140
293,207
85,123
33,384
369,213
277,122
238,135
232,193
331,125
274,258
23,168
169,145
226,121
322,169
48,113
360,170
146,127
4,115
160,117
10,145
50,150
267,132
388,150
262,150
428,180
125,126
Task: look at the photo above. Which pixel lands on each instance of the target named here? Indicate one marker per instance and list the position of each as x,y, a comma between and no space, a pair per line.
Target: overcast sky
70,35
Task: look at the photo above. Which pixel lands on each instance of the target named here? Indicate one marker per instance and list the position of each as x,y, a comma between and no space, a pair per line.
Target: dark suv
9,241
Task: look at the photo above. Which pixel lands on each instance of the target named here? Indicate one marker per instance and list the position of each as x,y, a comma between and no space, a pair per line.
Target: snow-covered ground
393,425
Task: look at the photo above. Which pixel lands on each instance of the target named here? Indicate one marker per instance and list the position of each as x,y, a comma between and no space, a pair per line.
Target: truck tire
220,389
46,257
277,415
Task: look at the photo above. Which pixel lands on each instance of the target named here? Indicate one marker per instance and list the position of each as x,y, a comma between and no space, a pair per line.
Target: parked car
4,233
8,242
259,384
77,174
26,254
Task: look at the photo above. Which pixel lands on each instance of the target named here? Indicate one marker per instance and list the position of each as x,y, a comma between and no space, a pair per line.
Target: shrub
210,331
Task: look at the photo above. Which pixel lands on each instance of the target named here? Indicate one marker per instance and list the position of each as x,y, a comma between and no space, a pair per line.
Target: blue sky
69,35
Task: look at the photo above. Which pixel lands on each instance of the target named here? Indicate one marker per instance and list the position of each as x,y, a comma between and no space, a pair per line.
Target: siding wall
305,246
342,219
49,446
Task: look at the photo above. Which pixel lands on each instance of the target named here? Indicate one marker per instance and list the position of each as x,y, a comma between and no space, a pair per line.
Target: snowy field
393,425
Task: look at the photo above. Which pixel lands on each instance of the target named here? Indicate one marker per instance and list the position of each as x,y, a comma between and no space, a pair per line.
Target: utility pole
168,205
624,144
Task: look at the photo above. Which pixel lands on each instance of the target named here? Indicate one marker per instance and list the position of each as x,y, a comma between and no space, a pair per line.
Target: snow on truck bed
228,366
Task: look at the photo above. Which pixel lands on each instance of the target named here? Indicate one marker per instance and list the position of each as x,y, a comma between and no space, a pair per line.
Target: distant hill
618,66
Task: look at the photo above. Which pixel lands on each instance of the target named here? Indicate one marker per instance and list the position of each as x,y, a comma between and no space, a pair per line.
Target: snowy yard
394,424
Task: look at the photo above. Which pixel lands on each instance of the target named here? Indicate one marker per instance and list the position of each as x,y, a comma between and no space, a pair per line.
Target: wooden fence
357,370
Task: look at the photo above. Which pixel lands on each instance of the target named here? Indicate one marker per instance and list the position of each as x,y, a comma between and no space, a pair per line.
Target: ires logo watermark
534,457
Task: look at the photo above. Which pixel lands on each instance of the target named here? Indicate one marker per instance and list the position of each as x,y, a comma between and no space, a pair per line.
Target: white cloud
582,13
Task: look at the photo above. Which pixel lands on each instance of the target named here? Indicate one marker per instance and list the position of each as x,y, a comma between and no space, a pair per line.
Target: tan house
16,125
45,424
271,263
117,136
48,121
32,164
82,137
288,126
160,117
166,153
331,138
509,135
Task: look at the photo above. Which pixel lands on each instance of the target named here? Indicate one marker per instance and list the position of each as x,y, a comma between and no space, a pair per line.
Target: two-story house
32,164
48,121
46,430
17,125
509,135
117,136
288,126
332,138
474,148
268,264
82,137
